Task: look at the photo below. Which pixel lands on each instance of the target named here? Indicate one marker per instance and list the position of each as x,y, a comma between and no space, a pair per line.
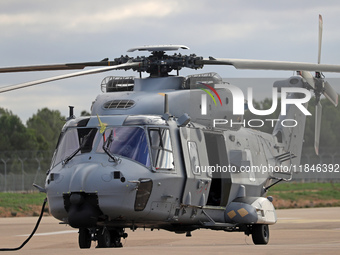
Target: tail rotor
320,87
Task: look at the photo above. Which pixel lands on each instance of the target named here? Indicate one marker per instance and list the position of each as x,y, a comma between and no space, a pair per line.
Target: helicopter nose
87,192
81,203
89,184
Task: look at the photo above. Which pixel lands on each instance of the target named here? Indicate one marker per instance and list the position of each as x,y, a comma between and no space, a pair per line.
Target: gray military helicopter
170,152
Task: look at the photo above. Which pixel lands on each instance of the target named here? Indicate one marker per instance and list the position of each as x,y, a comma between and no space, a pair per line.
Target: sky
49,32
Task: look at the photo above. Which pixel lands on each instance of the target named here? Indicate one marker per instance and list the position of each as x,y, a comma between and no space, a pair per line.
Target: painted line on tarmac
54,233
306,220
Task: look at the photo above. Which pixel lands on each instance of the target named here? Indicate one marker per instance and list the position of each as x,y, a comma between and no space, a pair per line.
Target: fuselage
147,181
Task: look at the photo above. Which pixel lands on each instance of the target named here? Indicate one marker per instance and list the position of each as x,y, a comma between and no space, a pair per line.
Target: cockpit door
197,169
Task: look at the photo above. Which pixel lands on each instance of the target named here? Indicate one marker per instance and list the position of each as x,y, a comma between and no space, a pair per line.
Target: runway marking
306,220
54,233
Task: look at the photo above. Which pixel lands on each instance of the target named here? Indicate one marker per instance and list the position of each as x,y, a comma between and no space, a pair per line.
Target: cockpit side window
161,148
72,140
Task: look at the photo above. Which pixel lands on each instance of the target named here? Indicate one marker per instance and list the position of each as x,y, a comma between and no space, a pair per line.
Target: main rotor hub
159,64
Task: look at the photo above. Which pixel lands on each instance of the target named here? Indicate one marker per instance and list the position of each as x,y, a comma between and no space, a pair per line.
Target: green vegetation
21,204
288,195
36,140
30,143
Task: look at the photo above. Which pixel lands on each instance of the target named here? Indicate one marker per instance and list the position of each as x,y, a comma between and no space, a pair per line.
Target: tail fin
290,128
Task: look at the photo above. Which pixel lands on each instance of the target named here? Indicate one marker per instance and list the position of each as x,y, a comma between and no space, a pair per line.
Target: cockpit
148,145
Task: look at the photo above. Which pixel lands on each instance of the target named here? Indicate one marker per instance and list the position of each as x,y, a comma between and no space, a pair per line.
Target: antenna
166,104
71,115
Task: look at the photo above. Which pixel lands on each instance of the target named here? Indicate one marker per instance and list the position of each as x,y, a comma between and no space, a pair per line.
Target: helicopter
171,152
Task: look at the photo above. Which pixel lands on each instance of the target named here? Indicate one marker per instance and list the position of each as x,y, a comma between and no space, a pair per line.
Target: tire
260,234
84,238
104,238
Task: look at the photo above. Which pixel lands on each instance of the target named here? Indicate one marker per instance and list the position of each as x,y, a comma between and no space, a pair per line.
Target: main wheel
260,234
104,238
84,238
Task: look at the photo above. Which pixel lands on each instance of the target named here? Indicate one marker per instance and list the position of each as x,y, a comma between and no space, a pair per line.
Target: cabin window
161,148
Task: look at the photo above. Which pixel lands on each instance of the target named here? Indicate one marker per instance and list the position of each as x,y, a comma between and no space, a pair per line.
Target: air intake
119,104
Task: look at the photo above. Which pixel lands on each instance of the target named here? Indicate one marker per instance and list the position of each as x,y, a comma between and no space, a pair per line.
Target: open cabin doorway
218,162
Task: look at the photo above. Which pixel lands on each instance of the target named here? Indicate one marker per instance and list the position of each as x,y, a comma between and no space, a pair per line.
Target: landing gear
84,238
260,234
105,237
116,235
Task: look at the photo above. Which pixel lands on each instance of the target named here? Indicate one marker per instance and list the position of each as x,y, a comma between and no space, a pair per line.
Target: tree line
32,143
36,140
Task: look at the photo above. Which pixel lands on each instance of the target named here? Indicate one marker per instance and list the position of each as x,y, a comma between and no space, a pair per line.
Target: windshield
130,142
75,141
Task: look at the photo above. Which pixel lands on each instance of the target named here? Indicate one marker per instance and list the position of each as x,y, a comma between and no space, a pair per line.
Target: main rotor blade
320,38
330,93
54,67
65,76
318,114
309,78
158,48
270,65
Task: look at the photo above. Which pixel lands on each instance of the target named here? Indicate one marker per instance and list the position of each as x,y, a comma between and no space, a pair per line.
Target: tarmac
298,231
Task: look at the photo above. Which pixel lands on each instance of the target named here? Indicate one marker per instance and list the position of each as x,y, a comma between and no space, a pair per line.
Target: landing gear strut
105,237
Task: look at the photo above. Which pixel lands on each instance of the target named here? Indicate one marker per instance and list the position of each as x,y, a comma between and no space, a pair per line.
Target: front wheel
260,234
84,238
